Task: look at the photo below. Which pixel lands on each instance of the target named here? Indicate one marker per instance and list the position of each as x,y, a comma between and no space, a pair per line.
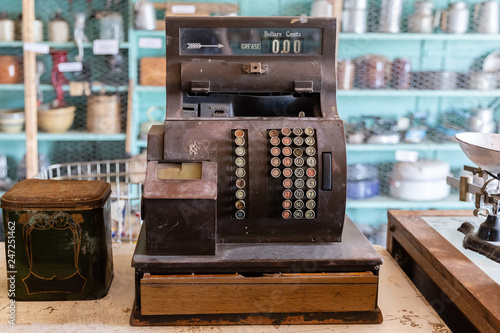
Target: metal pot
110,26
6,28
480,80
145,15
482,120
455,20
423,20
486,17
354,16
390,16
58,29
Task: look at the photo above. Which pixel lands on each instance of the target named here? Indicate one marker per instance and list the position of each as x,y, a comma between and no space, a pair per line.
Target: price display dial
251,41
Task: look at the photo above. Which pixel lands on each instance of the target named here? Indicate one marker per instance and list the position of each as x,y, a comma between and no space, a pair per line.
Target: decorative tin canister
58,239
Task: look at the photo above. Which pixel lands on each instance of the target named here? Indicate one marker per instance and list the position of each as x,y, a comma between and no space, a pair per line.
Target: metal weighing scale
245,191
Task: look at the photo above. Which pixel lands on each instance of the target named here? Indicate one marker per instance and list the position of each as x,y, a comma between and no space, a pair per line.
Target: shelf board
49,87
149,33
88,45
155,89
385,92
387,202
67,136
417,93
142,143
425,146
377,36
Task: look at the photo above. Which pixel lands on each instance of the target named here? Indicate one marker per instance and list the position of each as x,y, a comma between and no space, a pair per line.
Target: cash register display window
251,41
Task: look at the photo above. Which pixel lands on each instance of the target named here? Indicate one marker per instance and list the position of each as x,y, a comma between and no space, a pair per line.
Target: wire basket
126,178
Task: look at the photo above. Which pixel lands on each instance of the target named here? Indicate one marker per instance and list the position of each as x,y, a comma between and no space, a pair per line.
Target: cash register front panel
258,98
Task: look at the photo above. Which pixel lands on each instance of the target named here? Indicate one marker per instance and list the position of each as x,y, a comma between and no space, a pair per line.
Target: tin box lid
47,194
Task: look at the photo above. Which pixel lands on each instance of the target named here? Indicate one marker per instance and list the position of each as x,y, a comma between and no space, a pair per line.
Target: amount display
251,41
283,45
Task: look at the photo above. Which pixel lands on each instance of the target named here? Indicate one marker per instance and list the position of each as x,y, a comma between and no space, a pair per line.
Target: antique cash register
245,191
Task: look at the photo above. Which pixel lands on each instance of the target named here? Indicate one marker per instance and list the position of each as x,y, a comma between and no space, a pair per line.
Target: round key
287,161
298,141
274,133
287,204
310,204
240,194
299,183
311,194
240,172
299,194
286,131
275,151
299,161
275,162
298,204
287,194
311,183
298,214
239,214
287,151
239,151
309,131
239,141
274,141
240,183
240,162
311,161
310,214
286,214
239,133
297,131
287,172
275,173
287,183
298,152
240,204
286,141
309,141
299,172
311,172
310,151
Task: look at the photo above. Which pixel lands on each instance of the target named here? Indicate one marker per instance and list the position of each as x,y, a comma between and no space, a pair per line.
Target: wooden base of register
332,283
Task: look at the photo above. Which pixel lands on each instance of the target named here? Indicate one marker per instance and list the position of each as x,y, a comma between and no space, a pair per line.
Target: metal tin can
62,232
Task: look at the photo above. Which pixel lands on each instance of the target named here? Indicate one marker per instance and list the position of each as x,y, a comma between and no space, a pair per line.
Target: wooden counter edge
451,270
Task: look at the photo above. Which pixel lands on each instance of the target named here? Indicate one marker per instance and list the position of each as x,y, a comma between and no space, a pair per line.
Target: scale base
260,284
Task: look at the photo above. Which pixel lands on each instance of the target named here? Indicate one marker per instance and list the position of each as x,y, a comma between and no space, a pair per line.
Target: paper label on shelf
36,47
70,67
183,9
105,46
406,156
150,43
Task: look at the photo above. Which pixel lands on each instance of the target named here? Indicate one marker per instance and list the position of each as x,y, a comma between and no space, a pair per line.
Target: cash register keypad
240,170
292,185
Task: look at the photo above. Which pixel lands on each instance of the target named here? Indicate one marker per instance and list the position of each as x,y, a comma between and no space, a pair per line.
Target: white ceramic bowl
11,121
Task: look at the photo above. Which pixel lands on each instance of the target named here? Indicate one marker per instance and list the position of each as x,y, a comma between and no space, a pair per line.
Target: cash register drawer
273,293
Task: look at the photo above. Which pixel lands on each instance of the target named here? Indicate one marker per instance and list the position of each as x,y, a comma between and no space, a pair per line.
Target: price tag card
36,47
70,67
105,46
183,9
150,43
406,156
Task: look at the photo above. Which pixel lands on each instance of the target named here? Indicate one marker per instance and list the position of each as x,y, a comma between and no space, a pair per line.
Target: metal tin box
58,239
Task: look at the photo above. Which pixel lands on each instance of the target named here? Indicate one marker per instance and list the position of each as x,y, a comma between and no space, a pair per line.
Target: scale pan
483,149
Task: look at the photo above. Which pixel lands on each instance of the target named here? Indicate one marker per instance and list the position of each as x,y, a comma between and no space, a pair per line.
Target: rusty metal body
251,158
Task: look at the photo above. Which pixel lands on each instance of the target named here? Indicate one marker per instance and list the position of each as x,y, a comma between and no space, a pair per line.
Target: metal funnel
483,149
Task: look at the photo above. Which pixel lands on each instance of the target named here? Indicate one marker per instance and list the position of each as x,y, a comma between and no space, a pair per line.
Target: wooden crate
153,71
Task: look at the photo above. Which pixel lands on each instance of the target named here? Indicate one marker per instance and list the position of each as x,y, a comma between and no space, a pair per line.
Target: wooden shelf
387,202
377,36
67,136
